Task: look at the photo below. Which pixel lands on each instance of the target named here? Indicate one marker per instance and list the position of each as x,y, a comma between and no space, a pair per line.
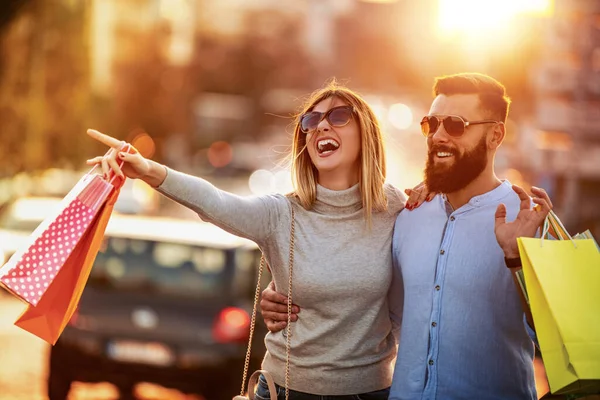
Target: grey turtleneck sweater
343,341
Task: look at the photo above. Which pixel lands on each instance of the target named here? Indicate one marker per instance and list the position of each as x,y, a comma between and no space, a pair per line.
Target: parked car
19,218
167,302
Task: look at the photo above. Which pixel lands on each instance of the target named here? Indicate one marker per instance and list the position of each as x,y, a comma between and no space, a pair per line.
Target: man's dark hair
492,94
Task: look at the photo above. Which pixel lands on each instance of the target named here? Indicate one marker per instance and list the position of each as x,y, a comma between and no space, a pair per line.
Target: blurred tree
44,94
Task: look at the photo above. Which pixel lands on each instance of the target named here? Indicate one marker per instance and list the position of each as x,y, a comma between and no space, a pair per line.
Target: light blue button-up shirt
462,334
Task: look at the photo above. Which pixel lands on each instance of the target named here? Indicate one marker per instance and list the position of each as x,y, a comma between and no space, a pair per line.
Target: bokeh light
144,144
283,181
480,16
261,182
220,154
400,116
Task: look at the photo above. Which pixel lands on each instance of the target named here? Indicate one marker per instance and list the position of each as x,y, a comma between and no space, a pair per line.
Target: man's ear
497,135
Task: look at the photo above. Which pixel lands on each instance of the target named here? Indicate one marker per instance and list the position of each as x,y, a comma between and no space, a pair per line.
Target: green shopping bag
562,280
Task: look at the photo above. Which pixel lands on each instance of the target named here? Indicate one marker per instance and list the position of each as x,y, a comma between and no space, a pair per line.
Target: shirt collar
492,197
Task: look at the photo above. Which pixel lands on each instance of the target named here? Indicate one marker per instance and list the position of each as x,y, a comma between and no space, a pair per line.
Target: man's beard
466,167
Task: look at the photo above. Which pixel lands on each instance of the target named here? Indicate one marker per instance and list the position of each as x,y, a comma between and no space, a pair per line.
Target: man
462,328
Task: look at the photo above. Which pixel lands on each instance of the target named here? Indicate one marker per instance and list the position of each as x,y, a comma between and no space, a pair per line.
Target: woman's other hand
418,195
273,307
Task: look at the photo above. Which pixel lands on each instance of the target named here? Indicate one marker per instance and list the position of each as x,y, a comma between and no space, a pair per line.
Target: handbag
252,382
561,278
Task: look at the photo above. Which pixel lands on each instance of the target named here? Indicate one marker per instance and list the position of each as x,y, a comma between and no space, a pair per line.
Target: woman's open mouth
326,147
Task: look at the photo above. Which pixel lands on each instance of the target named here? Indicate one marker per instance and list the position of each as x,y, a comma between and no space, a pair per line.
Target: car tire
58,386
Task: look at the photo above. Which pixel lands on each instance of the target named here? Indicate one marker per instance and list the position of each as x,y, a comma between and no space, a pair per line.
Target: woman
344,216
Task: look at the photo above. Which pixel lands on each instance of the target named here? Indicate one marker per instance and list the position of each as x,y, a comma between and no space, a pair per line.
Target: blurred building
195,73
211,86
562,148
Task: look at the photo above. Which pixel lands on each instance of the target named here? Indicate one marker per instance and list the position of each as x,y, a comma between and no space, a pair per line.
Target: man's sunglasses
336,116
454,125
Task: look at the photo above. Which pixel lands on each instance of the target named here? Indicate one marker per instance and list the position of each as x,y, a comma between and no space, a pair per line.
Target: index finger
273,296
419,185
107,140
542,193
523,196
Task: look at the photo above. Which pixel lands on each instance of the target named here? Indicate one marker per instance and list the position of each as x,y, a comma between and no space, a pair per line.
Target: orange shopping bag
49,317
52,270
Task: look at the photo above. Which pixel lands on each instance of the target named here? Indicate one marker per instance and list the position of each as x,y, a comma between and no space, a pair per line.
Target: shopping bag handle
553,220
126,147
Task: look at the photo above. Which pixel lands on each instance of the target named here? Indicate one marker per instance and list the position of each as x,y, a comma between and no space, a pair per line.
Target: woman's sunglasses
454,125
336,117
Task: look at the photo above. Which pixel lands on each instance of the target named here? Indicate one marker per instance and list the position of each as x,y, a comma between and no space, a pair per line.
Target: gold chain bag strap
252,382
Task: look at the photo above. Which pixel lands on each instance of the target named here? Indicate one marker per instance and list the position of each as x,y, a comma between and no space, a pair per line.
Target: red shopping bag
50,272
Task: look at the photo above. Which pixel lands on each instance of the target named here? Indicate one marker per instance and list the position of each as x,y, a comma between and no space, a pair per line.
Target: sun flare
477,16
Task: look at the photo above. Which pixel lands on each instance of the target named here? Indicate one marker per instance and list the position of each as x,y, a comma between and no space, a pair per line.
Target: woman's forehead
329,103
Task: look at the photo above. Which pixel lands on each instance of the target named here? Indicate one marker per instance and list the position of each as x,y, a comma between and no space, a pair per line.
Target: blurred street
22,356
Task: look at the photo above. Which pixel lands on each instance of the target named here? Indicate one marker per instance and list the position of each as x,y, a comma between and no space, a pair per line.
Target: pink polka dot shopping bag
50,272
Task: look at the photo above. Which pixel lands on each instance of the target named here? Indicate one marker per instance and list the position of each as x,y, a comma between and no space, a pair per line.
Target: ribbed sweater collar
338,201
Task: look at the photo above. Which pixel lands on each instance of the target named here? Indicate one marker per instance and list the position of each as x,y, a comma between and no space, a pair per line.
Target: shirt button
452,218
434,324
442,252
437,287
430,362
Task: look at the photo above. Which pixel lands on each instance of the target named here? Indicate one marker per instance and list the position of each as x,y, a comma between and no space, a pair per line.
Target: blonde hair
372,170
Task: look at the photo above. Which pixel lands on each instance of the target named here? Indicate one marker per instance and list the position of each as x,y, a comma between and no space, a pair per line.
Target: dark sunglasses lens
454,126
340,116
310,121
429,125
